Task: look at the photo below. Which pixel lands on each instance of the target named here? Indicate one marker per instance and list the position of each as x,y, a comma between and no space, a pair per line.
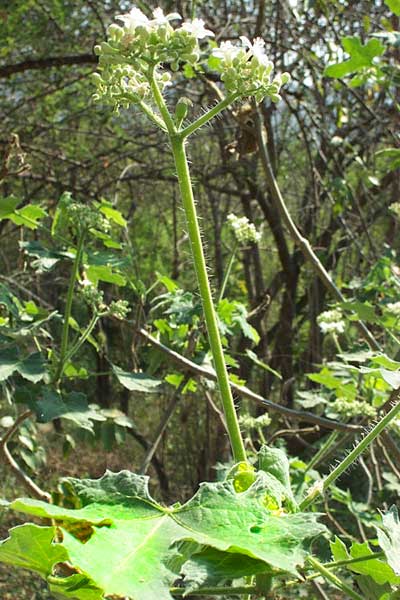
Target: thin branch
47,63
34,489
295,234
176,396
245,391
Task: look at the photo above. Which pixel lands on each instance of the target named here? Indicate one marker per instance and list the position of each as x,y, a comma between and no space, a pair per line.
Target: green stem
84,336
68,306
182,169
316,459
208,115
323,449
332,578
152,115
350,561
218,591
158,97
227,274
354,454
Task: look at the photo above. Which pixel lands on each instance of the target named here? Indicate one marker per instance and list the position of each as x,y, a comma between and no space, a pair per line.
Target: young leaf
360,56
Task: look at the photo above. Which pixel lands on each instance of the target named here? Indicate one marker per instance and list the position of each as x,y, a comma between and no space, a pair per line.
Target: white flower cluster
135,48
246,70
352,408
247,422
394,307
138,43
331,321
395,207
244,231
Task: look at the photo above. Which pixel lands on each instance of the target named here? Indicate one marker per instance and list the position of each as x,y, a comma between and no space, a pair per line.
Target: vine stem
353,455
182,168
68,306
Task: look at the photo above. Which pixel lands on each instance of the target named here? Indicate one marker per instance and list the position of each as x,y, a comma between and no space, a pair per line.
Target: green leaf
46,259
123,540
137,382
28,215
211,567
394,6
376,568
31,368
77,587
360,56
73,407
254,358
8,206
386,362
104,273
363,310
112,214
31,547
391,377
389,538
372,590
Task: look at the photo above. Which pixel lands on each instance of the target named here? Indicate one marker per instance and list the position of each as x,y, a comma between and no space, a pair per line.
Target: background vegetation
334,151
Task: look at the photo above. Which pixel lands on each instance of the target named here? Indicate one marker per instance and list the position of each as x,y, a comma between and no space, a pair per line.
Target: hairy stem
353,455
218,591
213,112
178,148
206,296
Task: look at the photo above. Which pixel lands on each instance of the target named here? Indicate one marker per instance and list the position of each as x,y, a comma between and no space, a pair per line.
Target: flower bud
115,32
181,109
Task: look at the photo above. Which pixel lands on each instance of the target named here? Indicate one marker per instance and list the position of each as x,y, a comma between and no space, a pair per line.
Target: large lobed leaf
122,542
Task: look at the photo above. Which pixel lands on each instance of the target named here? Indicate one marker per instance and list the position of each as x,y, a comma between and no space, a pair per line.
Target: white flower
133,19
244,231
227,52
197,29
161,19
331,321
394,307
257,50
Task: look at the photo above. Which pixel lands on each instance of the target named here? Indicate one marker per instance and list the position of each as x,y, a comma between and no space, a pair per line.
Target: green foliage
125,542
361,57
389,538
75,299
